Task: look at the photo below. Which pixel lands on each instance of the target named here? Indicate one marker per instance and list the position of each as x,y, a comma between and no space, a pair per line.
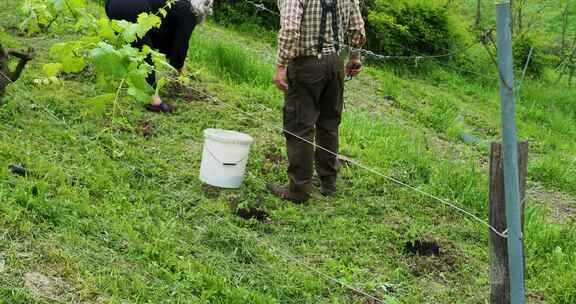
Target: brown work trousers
313,111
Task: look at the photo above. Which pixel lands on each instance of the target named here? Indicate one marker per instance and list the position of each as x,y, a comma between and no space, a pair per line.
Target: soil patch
273,157
15,31
253,211
422,248
146,128
179,90
249,213
210,191
430,256
46,287
20,170
562,206
190,94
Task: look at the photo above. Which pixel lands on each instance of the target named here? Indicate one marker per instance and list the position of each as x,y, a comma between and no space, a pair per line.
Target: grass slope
115,213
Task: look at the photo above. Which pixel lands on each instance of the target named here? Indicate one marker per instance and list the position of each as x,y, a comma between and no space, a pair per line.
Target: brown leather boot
287,193
328,189
328,186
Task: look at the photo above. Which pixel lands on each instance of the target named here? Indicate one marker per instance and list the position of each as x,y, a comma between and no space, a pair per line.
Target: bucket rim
228,136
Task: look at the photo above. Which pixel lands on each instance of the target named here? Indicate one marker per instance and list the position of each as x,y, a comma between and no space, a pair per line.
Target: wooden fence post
499,272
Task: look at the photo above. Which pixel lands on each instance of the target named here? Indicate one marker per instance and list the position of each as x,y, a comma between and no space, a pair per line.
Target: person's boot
289,193
156,105
161,108
328,187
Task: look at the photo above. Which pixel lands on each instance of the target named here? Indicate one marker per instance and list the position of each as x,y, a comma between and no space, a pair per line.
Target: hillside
113,212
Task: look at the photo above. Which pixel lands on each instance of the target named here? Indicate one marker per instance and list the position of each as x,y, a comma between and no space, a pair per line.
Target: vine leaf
109,61
52,69
105,30
99,104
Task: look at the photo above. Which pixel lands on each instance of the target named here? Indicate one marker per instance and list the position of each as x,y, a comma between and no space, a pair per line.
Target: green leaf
132,31
109,61
99,104
61,51
126,29
77,5
146,22
52,69
56,5
160,61
161,82
131,52
105,30
66,54
136,79
73,64
141,96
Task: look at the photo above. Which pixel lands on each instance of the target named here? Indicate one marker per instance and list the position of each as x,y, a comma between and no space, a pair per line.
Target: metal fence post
510,149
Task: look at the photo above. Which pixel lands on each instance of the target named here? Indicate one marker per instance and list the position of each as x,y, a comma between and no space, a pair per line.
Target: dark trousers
313,111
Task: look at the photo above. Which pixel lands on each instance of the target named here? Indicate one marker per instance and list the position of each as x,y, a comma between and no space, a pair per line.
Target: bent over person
311,72
171,39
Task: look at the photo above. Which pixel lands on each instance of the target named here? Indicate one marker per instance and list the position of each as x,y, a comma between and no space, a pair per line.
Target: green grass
123,218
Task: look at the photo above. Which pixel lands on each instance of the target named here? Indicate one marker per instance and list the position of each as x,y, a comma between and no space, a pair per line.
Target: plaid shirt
300,28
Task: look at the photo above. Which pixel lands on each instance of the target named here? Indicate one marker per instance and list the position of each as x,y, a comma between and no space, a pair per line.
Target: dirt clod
274,157
19,170
43,286
389,99
210,191
186,92
253,213
429,255
146,128
422,248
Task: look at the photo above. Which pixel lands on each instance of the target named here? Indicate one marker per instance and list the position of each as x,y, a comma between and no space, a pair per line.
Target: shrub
235,12
412,28
538,60
407,27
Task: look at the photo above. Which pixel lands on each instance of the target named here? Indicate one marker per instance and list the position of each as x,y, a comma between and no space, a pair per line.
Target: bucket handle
226,164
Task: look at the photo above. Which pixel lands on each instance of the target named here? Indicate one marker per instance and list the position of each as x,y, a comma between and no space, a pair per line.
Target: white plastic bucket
224,158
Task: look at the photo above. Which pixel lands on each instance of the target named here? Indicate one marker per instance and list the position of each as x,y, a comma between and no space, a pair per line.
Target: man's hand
280,78
354,67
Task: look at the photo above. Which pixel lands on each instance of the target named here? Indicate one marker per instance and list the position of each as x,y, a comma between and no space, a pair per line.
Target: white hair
201,8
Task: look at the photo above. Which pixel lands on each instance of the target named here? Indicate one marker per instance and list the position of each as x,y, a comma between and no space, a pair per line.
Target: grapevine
41,15
106,46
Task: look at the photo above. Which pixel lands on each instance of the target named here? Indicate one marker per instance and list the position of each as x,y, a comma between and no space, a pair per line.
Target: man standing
311,72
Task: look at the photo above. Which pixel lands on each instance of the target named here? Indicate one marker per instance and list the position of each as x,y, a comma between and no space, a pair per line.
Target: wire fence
373,55
418,58
231,227
270,125
372,170
284,254
359,164
369,169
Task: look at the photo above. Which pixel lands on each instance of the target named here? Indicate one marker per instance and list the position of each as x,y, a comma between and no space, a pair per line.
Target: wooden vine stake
499,271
